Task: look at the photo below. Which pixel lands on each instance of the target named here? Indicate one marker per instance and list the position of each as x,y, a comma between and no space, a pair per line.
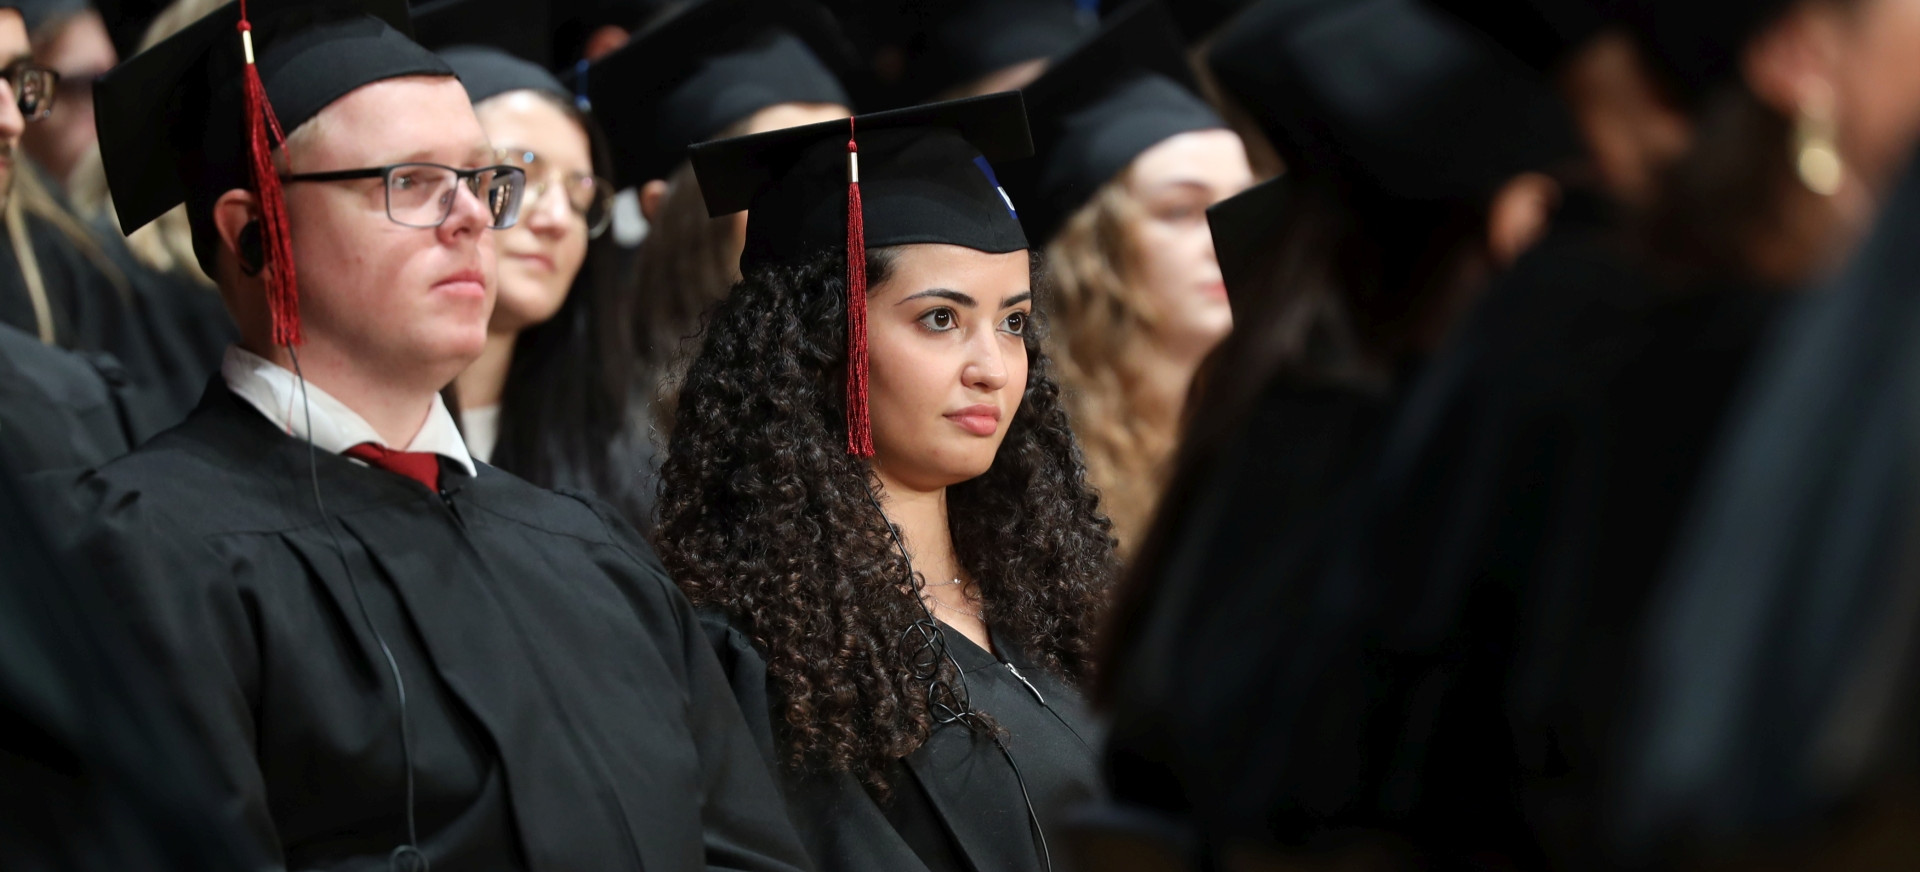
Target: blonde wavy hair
166,245
1102,323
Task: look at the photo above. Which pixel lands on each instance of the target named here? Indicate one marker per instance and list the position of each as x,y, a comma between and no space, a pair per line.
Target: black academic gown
168,332
60,409
1232,576
956,803
565,710
1775,680
95,774
1488,591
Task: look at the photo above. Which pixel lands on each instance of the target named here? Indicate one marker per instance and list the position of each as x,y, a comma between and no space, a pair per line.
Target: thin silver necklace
978,616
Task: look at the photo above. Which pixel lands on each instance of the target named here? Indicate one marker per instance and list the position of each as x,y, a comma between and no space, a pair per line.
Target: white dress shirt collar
275,392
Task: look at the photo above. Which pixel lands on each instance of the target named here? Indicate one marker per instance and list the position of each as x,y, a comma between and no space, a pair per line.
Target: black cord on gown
407,857
947,704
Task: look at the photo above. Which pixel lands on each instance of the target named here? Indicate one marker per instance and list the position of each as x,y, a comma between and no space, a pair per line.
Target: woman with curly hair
873,493
1128,158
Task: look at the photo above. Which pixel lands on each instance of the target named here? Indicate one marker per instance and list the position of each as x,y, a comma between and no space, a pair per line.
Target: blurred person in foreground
1396,210
1460,684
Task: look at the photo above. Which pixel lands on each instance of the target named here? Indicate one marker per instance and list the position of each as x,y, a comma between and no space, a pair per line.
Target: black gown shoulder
60,409
564,710
958,801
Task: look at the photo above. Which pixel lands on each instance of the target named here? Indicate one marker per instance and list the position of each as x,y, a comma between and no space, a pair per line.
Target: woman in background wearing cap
716,68
548,398
889,524
1128,159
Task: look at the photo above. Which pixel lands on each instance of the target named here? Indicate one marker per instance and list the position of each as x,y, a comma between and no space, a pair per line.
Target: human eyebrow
943,294
1017,299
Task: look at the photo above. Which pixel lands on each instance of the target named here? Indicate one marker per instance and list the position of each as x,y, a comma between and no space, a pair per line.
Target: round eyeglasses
34,88
422,194
589,196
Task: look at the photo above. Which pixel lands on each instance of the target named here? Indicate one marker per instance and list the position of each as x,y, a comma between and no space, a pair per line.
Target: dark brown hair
764,516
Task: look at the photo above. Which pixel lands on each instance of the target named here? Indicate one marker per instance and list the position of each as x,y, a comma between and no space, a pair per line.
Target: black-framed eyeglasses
589,196
34,88
422,194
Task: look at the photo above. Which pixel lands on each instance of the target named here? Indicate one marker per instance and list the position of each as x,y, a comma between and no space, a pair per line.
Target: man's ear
1519,215
236,217
652,194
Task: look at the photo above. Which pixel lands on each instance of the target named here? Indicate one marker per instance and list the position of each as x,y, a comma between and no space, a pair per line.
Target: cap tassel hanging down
859,425
283,296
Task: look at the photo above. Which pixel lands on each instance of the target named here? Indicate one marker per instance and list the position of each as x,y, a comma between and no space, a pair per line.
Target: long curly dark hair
764,516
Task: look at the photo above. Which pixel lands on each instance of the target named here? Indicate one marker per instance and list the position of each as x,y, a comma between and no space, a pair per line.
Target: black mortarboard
489,72
1197,19
713,64
1541,33
1393,93
40,13
179,122
1244,227
1698,43
958,41
517,27
1120,93
923,174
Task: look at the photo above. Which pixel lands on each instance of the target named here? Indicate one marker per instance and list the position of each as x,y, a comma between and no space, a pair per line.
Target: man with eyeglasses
400,658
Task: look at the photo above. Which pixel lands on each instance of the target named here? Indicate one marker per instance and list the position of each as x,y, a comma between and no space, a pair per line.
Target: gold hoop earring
1816,153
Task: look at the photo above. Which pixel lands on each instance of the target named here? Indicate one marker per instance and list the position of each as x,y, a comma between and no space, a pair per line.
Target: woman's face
540,255
1174,182
947,362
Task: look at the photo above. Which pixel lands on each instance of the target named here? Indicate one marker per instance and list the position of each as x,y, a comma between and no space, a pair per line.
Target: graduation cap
1394,94
923,174
1243,227
199,113
1699,43
1197,19
1120,93
705,68
953,42
516,27
1541,33
489,72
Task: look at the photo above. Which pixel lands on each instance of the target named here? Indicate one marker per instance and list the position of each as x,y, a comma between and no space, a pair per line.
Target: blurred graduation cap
1120,93
575,21
709,66
1198,19
1244,226
1541,33
516,27
494,46
1697,44
950,43
1393,93
178,123
923,174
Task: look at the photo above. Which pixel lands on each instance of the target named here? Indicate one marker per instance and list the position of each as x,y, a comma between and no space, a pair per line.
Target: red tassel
859,424
283,295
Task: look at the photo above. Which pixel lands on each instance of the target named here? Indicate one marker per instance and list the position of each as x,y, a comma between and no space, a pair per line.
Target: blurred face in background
1173,184
13,48
79,49
540,256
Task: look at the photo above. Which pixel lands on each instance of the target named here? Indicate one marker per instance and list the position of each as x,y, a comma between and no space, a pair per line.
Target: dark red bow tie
421,466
